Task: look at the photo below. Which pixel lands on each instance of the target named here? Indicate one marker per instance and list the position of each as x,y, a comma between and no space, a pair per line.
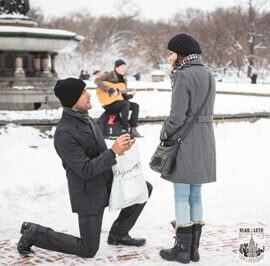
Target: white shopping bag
129,186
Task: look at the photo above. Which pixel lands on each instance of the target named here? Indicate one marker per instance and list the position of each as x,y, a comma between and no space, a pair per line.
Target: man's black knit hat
69,90
119,62
184,44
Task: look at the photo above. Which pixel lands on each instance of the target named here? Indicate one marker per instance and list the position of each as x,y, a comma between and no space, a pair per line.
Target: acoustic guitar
105,98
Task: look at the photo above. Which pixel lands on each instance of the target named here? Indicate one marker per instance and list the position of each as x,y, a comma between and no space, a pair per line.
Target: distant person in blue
137,76
84,75
254,78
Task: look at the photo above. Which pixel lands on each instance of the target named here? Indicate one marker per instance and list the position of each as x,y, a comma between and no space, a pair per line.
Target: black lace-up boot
181,250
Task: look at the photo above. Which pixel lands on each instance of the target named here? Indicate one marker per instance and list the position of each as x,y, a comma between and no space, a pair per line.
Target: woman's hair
176,64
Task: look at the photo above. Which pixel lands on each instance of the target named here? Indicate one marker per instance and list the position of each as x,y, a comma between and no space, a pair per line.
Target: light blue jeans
188,203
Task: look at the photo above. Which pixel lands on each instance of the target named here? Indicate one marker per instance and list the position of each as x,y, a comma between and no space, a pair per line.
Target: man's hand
116,93
122,144
113,92
133,92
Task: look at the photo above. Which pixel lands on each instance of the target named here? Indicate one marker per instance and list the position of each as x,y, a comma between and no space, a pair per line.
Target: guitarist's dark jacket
114,78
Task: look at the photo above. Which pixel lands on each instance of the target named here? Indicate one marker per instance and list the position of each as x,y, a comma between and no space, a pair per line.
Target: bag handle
181,139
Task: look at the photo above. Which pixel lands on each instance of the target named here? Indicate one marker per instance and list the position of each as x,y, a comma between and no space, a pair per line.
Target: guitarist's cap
69,90
119,62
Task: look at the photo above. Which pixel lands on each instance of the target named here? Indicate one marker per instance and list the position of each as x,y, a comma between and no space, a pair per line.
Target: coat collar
75,121
115,77
196,61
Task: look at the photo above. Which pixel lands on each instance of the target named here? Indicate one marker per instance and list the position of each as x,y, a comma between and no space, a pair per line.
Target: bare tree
253,35
37,15
236,38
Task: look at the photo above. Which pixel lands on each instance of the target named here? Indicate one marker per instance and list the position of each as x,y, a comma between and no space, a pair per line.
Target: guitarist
123,106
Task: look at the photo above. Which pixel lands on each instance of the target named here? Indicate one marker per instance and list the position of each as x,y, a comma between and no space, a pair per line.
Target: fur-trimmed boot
173,223
195,243
181,250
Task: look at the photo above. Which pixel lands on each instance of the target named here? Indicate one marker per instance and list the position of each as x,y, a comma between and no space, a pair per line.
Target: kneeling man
88,163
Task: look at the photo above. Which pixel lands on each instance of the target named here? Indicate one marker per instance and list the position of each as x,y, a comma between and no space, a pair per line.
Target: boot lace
176,247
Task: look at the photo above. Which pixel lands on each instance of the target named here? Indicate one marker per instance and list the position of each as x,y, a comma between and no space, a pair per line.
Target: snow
158,72
225,104
14,16
23,87
165,85
56,32
220,86
33,187
246,88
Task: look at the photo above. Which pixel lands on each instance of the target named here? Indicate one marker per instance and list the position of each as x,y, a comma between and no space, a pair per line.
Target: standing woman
196,158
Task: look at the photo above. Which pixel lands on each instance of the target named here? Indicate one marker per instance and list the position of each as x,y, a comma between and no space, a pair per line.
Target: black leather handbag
163,160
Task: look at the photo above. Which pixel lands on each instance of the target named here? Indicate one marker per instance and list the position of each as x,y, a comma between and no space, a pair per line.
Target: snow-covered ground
220,86
225,104
243,88
33,188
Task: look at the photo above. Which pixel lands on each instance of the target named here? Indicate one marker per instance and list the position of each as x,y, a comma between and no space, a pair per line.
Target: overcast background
231,38
149,9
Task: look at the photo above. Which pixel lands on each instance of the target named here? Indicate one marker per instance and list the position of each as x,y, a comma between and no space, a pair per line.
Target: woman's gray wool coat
196,157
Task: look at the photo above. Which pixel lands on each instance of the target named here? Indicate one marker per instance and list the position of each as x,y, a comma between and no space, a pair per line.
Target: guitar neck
124,91
120,86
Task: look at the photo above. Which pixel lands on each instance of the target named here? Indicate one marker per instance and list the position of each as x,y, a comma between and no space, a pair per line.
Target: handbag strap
190,125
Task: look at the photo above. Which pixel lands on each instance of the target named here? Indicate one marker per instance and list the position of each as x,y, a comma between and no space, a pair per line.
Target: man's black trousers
123,107
90,227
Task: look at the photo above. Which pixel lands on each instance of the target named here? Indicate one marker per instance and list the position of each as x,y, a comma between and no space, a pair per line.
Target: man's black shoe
126,240
25,226
26,240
